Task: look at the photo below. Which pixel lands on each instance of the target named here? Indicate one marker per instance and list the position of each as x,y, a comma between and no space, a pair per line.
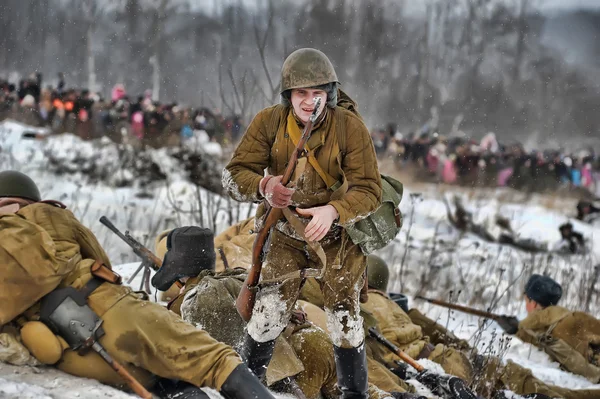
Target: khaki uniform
520,380
143,336
396,326
379,375
234,246
360,193
570,338
303,352
437,333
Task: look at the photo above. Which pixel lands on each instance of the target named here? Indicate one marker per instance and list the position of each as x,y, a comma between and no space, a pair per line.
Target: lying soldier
570,338
491,228
397,327
45,252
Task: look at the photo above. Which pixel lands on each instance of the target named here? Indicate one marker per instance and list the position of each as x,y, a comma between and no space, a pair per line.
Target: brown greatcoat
262,149
267,144
570,338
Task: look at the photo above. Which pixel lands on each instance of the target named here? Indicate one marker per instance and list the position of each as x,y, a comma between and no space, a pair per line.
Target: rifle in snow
465,309
149,260
510,324
245,300
445,386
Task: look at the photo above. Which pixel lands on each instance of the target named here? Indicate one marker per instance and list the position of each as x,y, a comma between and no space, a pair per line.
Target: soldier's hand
509,324
322,219
277,195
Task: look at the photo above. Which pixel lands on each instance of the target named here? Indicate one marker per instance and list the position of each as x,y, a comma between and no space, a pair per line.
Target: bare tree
90,13
522,30
262,38
156,30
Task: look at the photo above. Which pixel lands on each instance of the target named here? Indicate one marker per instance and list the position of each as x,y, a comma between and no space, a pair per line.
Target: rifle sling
297,224
295,133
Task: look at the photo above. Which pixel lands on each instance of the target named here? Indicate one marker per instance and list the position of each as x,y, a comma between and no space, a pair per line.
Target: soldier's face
531,305
303,102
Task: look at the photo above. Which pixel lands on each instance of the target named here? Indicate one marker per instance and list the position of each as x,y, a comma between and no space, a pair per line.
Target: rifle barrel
104,220
460,308
140,250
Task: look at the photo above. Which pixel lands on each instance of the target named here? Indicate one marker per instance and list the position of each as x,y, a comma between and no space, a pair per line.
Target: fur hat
543,290
190,250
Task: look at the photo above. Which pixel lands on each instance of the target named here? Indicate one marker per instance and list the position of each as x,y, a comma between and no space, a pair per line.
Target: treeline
470,65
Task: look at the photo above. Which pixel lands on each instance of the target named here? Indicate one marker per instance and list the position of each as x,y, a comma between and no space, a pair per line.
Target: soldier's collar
320,119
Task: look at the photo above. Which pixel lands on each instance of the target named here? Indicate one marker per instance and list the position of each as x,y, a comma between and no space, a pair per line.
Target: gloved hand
406,395
322,219
274,192
509,324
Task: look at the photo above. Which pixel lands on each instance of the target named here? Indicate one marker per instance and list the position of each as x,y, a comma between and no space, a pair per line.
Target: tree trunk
91,59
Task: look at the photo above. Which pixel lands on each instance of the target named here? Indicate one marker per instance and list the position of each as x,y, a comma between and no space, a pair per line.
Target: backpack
379,228
211,305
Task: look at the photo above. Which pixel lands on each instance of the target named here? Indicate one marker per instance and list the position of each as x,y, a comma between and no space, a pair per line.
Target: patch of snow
344,328
433,261
269,317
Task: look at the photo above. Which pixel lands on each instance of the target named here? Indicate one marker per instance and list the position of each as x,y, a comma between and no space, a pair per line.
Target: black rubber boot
172,389
351,368
257,355
242,384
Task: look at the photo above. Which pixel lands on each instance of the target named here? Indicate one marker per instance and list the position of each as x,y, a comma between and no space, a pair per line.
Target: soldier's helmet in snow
377,273
17,184
306,67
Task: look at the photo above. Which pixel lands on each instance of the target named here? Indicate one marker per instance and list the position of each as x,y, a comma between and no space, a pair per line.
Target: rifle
247,296
149,260
445,386
465,309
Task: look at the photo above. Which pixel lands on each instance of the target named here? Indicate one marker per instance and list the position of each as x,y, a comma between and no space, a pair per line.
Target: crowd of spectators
121,117
431,156
488,162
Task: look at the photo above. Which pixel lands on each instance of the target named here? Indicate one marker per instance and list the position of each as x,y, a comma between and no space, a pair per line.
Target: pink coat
118,92
504,175
449,172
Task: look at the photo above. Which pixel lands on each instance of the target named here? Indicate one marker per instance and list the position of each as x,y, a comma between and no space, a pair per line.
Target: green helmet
306,67
17,184
377,273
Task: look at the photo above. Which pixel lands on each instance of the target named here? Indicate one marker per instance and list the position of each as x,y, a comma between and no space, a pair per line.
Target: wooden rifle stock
393,348
464,309
247,296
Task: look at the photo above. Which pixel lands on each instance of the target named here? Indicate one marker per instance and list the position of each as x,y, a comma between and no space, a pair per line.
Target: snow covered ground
428,257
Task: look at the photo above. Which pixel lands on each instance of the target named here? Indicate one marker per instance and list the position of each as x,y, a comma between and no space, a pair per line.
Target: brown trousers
341,283
150,340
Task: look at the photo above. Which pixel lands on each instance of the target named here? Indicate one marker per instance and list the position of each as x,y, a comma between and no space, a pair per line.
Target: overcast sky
543,4
566,4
